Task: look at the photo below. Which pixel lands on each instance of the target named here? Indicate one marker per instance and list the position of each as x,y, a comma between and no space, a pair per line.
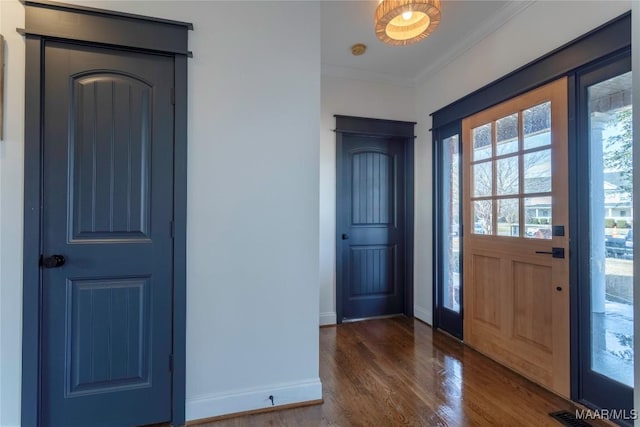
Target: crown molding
365,75
490,26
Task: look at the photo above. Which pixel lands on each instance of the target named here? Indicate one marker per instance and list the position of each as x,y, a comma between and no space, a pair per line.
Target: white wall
350,97
537,30
253,203
11,178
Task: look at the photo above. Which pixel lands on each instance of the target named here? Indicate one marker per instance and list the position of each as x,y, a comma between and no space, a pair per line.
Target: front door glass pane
507,176
537,217
537,126
482,217
482,142
611,213
507,135
451,202
482,179
508,217
537,172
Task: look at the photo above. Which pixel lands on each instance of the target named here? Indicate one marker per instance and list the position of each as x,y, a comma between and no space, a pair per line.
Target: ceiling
464,23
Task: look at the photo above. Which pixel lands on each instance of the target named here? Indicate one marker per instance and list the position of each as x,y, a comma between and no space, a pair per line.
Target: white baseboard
213,405
426,315
328,318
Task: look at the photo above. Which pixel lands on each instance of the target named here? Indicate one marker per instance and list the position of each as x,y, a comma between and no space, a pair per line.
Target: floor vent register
569,419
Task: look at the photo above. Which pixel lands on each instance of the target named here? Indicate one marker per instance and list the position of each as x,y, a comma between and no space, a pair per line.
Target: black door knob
53,261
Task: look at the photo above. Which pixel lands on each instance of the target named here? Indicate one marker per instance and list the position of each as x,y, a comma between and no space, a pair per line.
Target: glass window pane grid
520,153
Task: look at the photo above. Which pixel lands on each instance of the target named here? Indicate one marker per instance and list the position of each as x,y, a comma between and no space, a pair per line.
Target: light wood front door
515,195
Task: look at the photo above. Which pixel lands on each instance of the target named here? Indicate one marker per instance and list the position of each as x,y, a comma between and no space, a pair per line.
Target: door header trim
374,127
43,17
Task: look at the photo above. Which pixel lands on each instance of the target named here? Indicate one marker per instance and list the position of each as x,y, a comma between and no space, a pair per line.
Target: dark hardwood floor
398,371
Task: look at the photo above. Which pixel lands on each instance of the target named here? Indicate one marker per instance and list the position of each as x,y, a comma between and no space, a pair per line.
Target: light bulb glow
407,15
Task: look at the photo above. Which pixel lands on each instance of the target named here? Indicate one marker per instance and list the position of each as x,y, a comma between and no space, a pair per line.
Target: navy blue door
107,212
371,222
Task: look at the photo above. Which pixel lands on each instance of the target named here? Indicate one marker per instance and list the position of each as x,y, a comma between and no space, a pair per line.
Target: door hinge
173,96
172,229
171,363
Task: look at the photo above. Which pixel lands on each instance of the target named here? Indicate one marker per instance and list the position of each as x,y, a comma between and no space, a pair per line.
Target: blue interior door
372,219
106,232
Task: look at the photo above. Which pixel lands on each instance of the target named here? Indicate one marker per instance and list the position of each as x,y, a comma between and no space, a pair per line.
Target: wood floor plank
399,372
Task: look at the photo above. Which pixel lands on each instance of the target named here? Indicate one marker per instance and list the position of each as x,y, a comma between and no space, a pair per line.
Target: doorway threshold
360,319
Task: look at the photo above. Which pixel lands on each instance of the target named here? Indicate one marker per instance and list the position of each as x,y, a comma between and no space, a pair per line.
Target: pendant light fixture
403,22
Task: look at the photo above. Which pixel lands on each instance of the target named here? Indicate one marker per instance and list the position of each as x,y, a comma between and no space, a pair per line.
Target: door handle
345,236
53,261
555,252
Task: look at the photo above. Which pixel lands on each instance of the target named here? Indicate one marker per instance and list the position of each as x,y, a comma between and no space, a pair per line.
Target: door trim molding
33,161
52,19
362,126
373,127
